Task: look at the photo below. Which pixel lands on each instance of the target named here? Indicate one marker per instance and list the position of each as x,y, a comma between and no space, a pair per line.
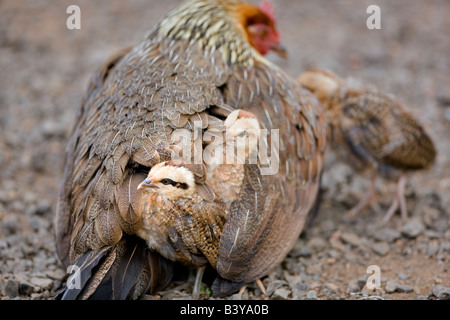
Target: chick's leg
399,201
369,199
198,282
258,283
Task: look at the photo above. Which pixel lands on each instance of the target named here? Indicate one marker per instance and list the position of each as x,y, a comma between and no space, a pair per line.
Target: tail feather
123,271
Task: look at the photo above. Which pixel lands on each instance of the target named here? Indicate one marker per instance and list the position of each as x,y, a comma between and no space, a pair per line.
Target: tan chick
177,222
373,130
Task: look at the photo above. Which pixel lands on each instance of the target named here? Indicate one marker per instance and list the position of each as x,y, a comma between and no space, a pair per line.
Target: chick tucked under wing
269,217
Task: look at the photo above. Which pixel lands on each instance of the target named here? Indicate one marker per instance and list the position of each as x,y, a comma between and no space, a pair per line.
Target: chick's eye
166,181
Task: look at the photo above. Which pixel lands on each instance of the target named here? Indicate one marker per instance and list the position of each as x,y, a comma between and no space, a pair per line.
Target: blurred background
44,71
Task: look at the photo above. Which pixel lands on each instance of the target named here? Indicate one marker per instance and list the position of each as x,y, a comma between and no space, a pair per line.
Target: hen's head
260,27
170,181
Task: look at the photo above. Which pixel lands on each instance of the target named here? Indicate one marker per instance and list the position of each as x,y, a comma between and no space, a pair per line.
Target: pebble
330,286
273,286
391,286
433,248
11,288
294,281
445,246
25,288
441,292
447,235
317,244
381,248
413,228
311,295
350,238
433,234
404,288
280,294
386,234
353,286
57,274
43,283
53,129
313,268
402,276
300,249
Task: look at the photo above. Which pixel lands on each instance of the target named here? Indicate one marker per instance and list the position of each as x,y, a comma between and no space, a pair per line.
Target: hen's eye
166,181
263,33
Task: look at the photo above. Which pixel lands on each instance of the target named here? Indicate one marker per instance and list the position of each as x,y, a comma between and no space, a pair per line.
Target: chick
177,222
373,130
238,144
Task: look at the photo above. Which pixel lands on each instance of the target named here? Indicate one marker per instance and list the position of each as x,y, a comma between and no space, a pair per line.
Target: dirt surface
44,70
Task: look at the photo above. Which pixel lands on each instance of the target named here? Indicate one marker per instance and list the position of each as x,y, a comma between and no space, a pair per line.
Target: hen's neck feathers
216,25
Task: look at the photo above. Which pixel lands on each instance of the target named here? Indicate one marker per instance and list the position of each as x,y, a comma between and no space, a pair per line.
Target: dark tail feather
123,271
83,271
222,287
314,211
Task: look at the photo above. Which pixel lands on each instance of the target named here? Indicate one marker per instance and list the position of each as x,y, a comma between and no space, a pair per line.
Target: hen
373,130
203,58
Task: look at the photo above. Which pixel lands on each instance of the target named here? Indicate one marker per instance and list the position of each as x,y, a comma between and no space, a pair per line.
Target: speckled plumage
168,81
371,129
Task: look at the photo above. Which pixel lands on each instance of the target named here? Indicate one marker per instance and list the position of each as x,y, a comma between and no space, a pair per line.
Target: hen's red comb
267,7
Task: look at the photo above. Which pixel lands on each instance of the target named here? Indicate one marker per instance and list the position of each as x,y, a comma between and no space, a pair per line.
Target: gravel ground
44,70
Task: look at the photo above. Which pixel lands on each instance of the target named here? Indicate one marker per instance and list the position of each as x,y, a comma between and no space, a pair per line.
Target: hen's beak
147,183
280,50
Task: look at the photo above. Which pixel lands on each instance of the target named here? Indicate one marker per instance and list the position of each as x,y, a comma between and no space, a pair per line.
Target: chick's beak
147,183
280,50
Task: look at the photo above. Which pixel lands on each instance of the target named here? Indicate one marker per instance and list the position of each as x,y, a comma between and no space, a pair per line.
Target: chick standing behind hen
372,130
205,55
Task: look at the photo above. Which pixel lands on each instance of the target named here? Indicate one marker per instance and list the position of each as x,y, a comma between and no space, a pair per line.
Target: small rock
416,289
280,294
350,238
445,246
353,286
57,274
433,248
402,276
314,268
441,292
34,223
433,234
300,249
311,295
43,283
11,289
386,234
53,129
330,286
297,294
334,254
381,248
404,288
273,286
391,286
362,280
25,289
316,244
43,208
413,228
294,281
447,234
